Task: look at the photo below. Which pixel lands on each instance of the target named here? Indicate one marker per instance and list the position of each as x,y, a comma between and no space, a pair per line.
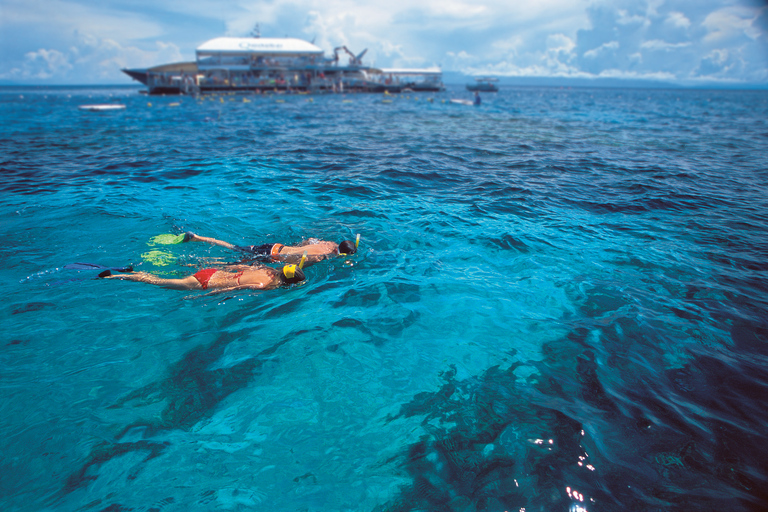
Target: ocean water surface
558,303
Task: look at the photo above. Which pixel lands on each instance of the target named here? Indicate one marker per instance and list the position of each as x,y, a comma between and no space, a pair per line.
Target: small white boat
462,102
484,85
99,108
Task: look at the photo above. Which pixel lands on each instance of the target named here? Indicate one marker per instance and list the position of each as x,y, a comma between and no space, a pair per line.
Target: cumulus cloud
625,18
678,19
605,47
657,44
90,59
44,64
730,23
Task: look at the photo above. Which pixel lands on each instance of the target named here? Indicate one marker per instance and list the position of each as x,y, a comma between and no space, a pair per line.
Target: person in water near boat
231,277
314,249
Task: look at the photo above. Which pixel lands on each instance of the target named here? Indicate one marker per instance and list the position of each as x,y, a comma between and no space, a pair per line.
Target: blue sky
682,41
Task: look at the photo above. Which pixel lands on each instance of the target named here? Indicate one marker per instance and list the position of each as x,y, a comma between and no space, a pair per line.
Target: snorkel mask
293,274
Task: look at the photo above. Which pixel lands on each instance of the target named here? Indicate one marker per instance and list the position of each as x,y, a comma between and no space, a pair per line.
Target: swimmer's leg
191,237
186,283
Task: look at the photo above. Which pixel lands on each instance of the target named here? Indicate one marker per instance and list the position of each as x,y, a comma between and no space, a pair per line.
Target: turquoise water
558,302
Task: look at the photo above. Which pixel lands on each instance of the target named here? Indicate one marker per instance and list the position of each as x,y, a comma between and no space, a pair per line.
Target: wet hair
294,271
347,247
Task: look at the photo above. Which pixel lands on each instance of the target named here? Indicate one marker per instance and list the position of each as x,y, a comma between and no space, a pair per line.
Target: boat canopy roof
259,45
177,67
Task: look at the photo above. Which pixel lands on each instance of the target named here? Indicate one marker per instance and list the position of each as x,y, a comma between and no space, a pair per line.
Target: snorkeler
244,277
315,250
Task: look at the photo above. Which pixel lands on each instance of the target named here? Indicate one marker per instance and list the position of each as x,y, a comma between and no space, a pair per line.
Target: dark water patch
359,298
509,191
640,188
139,164
190,392
106,451
410,179
362,214
358,191
379,330
632,229
506,242
503,207
569,439
145,179
640,264
483,451
33,307
403,292
603,208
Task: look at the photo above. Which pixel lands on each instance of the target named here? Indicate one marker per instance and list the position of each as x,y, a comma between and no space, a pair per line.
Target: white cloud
460,56
677,19
652,7
595,52
634,75
508,46
90,59
44,64
560,43
731,22
625,18
658,44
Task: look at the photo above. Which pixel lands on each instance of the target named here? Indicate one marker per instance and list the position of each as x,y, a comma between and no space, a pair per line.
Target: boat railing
252,62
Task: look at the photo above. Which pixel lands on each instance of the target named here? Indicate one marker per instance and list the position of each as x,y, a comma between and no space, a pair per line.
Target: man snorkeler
232,277
314,249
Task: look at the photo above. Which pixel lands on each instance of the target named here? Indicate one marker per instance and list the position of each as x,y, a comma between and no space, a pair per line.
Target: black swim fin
108,272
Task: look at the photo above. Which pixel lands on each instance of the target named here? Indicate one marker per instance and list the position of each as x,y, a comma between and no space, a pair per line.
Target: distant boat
484,85
100,108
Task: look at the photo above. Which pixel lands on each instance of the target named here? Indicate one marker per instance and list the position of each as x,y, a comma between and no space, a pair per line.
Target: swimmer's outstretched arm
191,237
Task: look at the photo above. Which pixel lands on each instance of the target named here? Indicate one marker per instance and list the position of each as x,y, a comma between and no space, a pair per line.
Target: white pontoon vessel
255,64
